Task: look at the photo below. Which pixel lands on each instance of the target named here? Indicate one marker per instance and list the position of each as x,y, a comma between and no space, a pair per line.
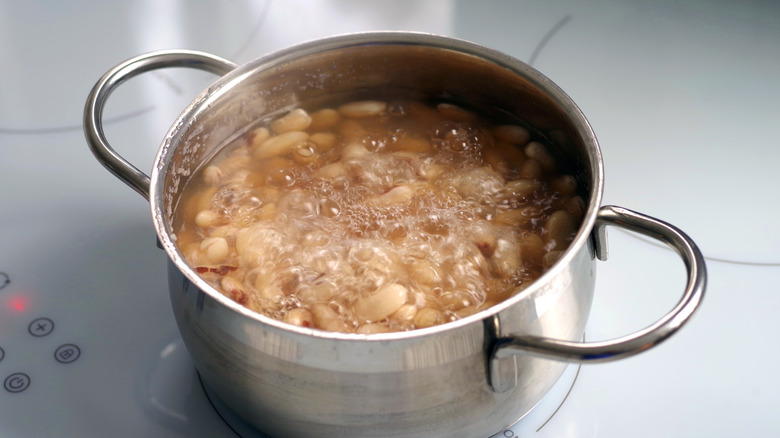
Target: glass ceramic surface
657,81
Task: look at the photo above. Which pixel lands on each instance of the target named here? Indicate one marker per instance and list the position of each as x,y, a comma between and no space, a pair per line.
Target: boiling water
410,216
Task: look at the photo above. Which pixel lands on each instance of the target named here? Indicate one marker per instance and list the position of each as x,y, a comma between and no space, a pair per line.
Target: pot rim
202,103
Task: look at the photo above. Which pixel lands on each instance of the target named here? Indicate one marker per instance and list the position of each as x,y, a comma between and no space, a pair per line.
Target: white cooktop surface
683,96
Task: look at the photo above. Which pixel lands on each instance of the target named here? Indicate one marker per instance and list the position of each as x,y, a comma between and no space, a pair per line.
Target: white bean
484,237
332,171
560,227
258,136
367,329
216,249
205,218
273,295
521,188
257,244
235,163
428,317
267,212
317,292
538,152
212,175
325,140
324,119
280,145
456,300
300,317
397,195
405,313
530,169
516,216
382,303
230,283
326,318
565,184
295,120
353,151
424,272
506,258
512,134
363,108
306,153
432,171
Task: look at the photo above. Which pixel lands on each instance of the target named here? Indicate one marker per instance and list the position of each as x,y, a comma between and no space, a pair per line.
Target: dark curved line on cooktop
566,397
542,43
78,127
708,258
213,406
547,37
73,128
255,30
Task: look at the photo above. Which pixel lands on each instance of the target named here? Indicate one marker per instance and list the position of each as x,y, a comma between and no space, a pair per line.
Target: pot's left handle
93,111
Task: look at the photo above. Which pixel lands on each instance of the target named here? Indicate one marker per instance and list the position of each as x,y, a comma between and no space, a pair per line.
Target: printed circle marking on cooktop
16,382
4,280
67,353
2,354
41,327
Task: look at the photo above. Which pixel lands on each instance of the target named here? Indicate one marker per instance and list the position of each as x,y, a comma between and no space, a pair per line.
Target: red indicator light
18,303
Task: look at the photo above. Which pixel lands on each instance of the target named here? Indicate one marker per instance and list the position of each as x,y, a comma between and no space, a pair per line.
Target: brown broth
376,217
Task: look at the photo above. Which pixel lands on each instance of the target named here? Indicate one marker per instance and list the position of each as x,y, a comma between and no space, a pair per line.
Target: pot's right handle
93,111
604,351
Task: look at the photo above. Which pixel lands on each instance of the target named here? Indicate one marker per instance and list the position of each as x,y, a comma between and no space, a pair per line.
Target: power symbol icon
16,382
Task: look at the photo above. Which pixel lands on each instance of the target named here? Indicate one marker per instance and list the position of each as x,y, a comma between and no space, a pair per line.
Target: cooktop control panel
50,351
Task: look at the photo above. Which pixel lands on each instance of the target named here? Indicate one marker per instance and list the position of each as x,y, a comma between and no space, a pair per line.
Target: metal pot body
288,383
466,378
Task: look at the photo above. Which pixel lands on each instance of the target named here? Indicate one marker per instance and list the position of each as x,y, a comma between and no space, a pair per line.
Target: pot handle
93,111
605,351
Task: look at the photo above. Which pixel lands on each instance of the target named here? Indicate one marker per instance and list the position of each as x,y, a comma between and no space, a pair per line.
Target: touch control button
41,327
16,382
67,353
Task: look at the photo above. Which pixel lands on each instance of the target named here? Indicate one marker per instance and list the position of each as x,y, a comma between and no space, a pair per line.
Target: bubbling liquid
375,217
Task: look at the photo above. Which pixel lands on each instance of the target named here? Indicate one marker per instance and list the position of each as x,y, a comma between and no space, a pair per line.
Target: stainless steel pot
466,378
